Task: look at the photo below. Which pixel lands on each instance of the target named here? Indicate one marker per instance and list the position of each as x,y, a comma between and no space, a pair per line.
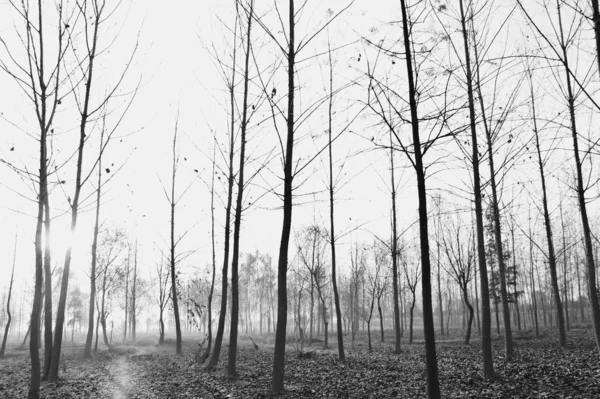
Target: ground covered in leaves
144,370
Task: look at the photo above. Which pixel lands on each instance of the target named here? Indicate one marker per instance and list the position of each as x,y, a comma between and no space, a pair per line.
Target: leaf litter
540,370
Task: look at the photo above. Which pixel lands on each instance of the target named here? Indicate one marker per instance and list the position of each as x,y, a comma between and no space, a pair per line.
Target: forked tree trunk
62,301
214,359
235,301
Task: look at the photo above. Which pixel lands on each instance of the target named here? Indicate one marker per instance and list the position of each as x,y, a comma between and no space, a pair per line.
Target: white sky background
178,73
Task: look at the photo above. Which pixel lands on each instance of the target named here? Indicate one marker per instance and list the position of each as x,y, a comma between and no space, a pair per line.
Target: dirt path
120,370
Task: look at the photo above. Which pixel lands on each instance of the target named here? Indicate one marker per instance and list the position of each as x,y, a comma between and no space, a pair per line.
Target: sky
178,81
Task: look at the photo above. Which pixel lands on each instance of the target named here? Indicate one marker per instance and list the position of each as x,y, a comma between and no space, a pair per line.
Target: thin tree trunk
126,295
336,297
439,292
279,353
214,257
562,338
214,359
172,247
380,318
87,352
508,344
60,313
470,315
47,291
433,388
486,334
587,236
235,301
134,292
395,288
410,327
8,314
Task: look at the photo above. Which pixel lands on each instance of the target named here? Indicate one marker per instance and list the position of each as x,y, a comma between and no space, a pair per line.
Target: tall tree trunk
172,247
134,292
214,359
87,352
336,296
239,203
508,342
433,388
486,333
62,301
47,291
587,236
562,338
8,314
214,256
395,288
279,354
126,294
439,292
532,277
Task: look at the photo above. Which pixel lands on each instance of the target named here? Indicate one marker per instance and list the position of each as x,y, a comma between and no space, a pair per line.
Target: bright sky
178,75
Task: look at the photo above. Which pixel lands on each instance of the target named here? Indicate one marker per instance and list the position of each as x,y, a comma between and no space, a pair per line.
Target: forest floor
144,370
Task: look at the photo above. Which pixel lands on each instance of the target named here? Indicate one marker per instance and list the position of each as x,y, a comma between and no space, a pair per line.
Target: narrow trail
121,372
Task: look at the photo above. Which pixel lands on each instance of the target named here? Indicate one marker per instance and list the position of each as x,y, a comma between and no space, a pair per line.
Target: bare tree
233,332
162,299
173,200
412,275
460,255
559,47
231,83
562,339
41,79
